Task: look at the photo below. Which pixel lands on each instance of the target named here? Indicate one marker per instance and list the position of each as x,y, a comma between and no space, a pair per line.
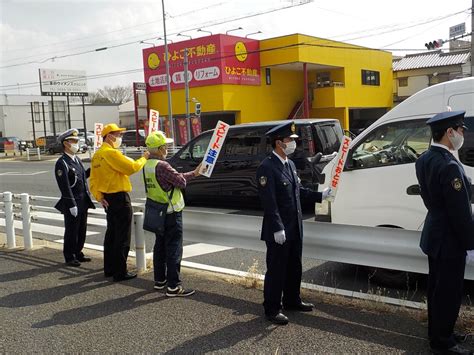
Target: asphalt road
37,178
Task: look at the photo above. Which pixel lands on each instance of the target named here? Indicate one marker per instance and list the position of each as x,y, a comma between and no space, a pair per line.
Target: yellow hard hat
111,127
157,139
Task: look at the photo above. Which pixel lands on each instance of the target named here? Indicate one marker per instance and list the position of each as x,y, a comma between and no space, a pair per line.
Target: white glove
280,237
470,257
73,211
326,193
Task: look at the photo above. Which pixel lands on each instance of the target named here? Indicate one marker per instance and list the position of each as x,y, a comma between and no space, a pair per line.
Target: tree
116,95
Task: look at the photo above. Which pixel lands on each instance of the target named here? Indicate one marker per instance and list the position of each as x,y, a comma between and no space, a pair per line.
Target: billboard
58,82
212,60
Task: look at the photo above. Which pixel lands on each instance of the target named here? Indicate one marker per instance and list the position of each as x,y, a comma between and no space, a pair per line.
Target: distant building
418,71
17,120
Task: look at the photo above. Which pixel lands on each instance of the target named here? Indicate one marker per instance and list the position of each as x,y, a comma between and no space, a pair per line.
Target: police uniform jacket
280,190
448,231
71,178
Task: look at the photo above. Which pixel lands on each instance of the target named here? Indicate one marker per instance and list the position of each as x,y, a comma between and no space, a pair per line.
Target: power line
206,24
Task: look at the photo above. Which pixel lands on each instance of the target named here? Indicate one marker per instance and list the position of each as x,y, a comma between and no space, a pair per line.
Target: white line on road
42,228
20,173
59,217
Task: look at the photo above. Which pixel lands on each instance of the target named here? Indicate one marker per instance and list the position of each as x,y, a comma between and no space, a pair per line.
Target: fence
377,247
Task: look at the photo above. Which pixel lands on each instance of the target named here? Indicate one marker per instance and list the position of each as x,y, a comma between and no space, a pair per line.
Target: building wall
285,59
15,118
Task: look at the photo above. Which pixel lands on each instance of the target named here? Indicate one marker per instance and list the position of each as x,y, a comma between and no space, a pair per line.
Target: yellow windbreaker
110,171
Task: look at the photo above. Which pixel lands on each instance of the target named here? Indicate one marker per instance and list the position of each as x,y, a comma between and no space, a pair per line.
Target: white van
378,186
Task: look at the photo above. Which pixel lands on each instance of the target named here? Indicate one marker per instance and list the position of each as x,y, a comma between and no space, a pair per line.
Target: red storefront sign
216,59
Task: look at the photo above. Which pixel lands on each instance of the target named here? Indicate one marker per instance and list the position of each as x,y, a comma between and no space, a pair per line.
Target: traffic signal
197,109
435,44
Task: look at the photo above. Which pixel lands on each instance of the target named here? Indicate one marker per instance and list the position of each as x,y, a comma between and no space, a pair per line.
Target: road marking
19,173
42,228
202,249
59,217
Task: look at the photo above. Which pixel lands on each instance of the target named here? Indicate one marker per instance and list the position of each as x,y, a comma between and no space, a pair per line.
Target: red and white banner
339,167
153,122
214,148
196,126
183,130
98,135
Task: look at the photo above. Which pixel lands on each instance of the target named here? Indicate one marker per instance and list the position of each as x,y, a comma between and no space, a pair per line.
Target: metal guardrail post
39,153
9,228
26,217
28,154
139,241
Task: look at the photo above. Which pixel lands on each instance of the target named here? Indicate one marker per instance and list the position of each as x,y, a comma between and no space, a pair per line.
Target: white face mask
74,147
117,142
290,148
457,140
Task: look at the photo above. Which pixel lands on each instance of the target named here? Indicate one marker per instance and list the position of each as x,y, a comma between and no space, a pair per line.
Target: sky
52,34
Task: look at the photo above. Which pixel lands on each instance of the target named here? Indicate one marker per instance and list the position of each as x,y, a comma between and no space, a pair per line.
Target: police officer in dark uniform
448,231
282,230
75,198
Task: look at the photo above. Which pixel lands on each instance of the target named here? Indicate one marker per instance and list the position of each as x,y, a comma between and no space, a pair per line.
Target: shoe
84,259
159,285
456,349
460,337
74,263
126,276
279,319
179,291
301,307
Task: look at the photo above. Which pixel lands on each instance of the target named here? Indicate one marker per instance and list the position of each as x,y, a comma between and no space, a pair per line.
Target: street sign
57,82
457,30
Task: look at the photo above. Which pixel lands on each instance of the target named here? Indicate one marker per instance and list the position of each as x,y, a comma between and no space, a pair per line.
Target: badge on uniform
457,184
59,172
263,181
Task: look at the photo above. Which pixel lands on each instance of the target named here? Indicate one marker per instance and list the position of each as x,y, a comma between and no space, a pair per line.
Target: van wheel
392,278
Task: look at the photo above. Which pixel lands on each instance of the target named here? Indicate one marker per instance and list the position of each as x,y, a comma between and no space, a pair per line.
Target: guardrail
31,152
370,246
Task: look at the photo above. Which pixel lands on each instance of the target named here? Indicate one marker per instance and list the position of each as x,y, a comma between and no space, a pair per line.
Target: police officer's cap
445,120
284,130
69,134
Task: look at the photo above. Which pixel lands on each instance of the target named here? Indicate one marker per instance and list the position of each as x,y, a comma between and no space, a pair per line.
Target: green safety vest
156,193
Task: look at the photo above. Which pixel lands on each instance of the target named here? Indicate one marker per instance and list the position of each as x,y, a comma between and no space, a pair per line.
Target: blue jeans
168,250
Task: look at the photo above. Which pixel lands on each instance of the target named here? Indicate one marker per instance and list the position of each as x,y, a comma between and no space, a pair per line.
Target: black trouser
445,288
168,251
74,235
283,275
117,236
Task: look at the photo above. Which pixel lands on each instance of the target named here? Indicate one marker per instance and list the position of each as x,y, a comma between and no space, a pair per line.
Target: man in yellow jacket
110,185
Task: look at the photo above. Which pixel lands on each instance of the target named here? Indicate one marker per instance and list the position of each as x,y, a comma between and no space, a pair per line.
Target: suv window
329,138
392,144
196,149
243,143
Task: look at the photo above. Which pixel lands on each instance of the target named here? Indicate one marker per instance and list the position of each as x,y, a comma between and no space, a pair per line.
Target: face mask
457,140
74,148
290,148
117,142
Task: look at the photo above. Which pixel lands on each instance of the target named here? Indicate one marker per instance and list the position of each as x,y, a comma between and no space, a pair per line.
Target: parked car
233,179
129,138
17,143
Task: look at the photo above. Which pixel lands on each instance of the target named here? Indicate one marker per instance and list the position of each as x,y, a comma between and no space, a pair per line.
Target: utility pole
167,65
186,94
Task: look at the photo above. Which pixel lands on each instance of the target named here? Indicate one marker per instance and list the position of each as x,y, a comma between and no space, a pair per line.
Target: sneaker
159,285
179,291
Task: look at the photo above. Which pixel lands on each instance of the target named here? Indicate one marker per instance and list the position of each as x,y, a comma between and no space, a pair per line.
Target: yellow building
299,76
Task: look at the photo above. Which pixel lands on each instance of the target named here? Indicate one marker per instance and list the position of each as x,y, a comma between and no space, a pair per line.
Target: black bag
155,215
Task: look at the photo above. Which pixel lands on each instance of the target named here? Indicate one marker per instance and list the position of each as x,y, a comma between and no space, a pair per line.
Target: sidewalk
48,307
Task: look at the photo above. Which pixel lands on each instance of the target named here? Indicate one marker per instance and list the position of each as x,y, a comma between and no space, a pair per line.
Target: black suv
233,178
